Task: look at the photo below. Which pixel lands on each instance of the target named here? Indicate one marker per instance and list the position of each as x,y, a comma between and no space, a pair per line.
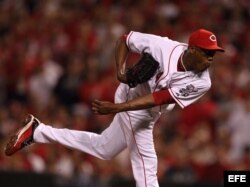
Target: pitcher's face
199,59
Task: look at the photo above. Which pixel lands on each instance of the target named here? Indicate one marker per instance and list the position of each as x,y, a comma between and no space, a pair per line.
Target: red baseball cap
204,39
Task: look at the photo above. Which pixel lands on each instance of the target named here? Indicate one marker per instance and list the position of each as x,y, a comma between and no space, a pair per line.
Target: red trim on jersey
128,37
124,37
177,100
163,97
165,75
179,64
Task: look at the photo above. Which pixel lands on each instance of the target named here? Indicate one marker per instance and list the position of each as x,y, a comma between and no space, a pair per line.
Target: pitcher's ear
191,49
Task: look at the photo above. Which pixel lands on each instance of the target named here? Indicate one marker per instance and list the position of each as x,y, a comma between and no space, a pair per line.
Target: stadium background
56,56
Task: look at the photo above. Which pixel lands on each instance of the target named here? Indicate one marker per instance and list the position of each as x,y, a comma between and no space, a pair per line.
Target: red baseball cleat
23,137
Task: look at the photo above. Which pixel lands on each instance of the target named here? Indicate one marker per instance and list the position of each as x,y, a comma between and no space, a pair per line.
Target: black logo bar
236,178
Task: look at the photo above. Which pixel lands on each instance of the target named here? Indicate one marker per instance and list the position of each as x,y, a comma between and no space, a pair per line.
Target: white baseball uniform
134,129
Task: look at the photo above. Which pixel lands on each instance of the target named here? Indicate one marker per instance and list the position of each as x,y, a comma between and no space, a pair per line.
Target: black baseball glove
142,71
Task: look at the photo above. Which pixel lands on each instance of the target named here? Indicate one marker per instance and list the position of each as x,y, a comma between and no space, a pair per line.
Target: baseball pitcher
168,73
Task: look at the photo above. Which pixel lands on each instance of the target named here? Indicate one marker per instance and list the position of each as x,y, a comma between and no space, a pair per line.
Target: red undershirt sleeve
163,97
124,37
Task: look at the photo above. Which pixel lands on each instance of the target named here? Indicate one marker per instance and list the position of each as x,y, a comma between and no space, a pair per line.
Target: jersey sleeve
187,91
140,42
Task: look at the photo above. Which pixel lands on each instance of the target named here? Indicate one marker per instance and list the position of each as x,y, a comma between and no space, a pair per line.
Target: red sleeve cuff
163,97
124,37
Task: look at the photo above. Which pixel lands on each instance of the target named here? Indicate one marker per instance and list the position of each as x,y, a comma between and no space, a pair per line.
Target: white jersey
184,87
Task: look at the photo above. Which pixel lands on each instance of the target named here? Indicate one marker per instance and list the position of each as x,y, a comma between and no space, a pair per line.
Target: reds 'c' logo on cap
204,39
212,38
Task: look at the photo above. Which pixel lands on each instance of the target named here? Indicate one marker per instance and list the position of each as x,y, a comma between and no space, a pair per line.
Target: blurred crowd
56,56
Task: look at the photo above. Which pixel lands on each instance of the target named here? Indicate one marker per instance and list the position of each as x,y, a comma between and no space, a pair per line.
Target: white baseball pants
118,136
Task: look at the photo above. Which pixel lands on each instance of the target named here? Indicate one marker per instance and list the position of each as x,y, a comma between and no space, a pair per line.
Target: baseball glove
142,71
